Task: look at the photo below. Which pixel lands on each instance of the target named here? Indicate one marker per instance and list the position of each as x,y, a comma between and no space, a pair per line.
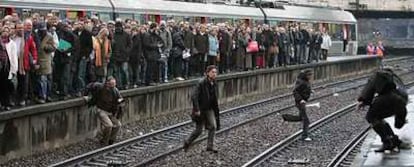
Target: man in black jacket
121,45
391,100
152,42
301,93
85,49
205,109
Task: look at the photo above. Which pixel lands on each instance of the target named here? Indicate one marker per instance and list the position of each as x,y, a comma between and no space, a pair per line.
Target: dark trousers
210,122
304,118
177,66
211,60
345,43
151,72
22,86
385,106
324,54
63,78
223,62
283,58
6,86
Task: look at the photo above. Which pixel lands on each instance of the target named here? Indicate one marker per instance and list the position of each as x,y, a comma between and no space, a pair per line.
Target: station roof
291,13
185,9
301,13
94,5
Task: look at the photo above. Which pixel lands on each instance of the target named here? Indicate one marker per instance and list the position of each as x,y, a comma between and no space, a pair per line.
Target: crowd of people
43,57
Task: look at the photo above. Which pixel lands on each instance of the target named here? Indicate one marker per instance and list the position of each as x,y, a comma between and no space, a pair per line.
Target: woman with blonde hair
102,49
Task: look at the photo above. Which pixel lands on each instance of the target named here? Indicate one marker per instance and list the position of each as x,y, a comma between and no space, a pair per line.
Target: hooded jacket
302,90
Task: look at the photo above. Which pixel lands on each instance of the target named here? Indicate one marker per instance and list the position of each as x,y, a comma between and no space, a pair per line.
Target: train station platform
367,157
339,58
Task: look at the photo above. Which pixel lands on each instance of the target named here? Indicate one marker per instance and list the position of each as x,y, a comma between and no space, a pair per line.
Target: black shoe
110,142
386,147
212,150
186,146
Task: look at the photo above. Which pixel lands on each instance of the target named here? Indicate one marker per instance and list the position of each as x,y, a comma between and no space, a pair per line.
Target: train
335,20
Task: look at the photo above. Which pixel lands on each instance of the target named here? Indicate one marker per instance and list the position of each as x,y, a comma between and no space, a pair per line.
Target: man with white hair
27,59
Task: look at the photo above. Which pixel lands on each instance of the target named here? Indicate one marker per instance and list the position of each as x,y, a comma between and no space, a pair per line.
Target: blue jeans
163,69
186,64
44,86
122,73
81,75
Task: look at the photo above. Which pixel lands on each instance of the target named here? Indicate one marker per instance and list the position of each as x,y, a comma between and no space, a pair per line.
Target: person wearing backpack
391,100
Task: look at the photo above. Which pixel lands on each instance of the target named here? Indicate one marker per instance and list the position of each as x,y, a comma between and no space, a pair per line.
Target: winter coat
213,45
151,41
137,52
66,56
391,99
30,49
326,42
202,101
302,90
167,39
13,58
121,46
201,43
178,44
225,42
47,47
86,44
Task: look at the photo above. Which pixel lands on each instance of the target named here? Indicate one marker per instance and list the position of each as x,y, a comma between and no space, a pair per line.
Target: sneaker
22,103
180,78
307,139
40,101
166,81
135,86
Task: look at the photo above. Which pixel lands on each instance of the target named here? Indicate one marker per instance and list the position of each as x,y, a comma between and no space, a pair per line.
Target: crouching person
205,109
386,96
108,100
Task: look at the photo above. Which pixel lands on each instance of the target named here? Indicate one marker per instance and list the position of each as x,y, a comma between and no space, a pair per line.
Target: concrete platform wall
52,125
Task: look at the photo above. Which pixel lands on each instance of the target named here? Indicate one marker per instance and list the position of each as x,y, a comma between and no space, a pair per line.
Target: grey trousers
210,123
109,126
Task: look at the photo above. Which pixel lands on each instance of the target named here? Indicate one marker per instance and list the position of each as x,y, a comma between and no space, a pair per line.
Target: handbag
186,54
252,46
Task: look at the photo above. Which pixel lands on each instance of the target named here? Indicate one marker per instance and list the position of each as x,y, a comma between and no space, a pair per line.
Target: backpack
401,89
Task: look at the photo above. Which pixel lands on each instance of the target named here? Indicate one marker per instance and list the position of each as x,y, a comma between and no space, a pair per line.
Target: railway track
139,149
276,155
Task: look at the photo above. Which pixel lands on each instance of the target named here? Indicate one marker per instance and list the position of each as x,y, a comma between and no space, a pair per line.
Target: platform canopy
87,5
186,9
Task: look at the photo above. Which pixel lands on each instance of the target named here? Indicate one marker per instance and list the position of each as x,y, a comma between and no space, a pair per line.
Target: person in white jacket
8,67
326,44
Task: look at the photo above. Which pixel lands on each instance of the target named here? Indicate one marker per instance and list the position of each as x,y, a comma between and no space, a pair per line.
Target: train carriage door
203,20
9,11
247,22
158,19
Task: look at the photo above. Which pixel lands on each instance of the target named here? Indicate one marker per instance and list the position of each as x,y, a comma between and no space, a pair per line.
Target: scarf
101,47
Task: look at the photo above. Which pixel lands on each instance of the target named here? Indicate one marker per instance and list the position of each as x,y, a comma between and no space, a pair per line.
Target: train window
125,16
2,13
105,17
